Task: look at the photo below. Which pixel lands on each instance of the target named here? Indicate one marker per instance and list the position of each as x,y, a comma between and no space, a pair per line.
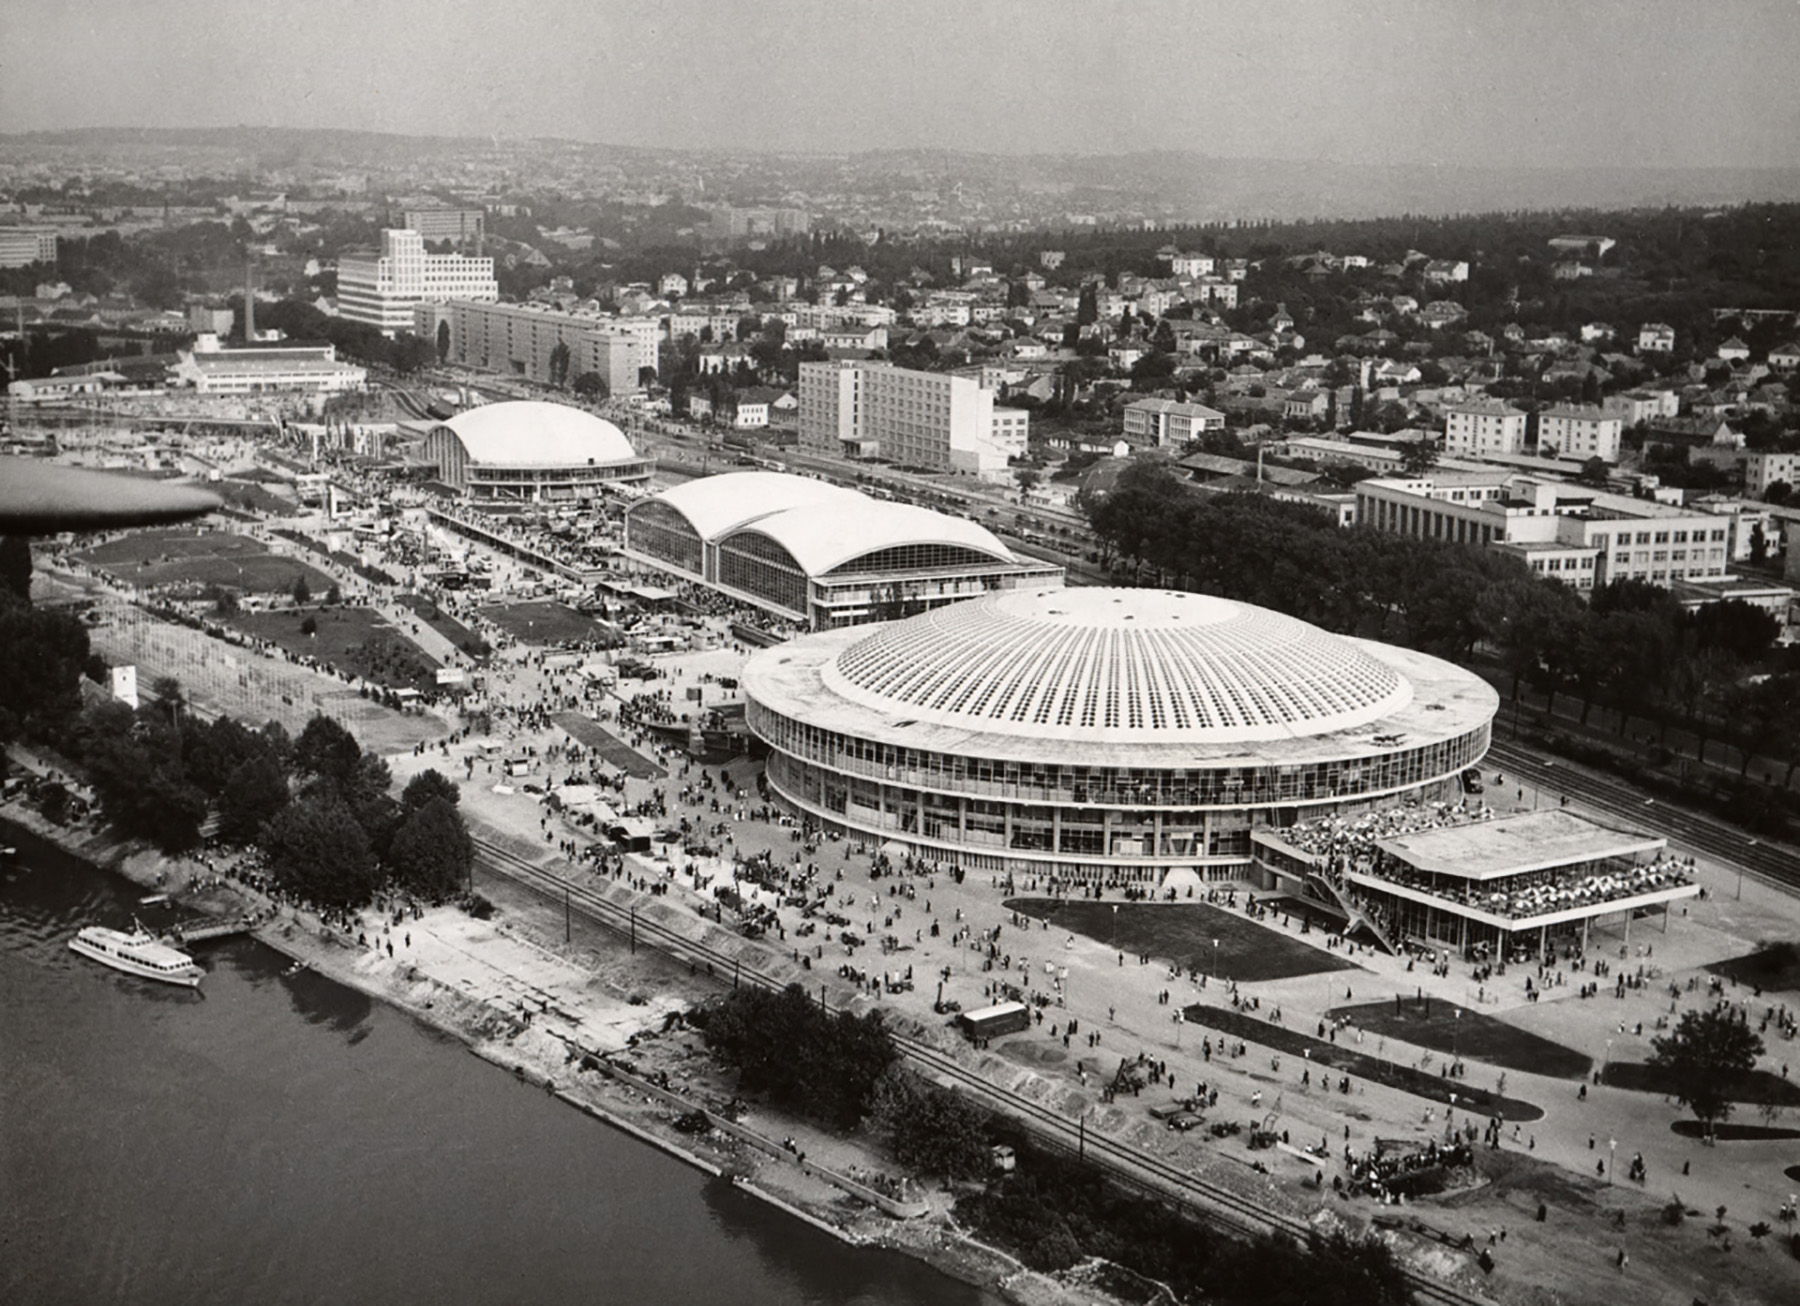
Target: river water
273,1139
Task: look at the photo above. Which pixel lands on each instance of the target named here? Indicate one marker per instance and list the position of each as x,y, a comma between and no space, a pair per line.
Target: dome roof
714,505
1120,665
531,433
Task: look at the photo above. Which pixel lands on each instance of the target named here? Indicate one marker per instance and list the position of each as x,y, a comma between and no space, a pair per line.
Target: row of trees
1631,647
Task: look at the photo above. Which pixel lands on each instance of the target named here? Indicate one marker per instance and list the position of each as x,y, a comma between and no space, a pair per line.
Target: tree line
1630,647
320,808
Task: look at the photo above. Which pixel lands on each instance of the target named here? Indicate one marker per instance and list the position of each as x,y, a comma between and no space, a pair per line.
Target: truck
992,1022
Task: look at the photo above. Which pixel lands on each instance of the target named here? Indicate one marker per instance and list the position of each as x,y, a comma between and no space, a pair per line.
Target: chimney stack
249,302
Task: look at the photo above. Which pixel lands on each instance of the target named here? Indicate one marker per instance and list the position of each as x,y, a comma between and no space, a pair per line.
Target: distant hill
1161,186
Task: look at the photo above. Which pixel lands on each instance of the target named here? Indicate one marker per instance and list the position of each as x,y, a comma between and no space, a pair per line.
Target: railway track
1221,1207
1773,864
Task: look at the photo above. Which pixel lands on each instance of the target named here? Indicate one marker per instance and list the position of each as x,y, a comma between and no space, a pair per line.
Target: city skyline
1380,83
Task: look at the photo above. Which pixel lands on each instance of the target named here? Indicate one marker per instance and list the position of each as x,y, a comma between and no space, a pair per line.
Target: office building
22,246
381,287
1581,536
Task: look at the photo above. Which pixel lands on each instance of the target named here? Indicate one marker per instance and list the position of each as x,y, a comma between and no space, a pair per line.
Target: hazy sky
1556,82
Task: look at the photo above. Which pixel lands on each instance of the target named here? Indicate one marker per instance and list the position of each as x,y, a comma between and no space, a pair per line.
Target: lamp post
1115,927
1612,1158
1606,1061
1215,959
1455,1028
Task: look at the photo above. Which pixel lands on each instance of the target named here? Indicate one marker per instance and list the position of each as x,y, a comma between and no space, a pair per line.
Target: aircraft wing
41,498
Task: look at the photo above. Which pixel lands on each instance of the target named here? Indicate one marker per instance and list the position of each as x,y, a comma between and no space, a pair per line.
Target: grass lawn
439,620
216,557
1183,933
1774,967
351,639
1344,1058
1755,1086
544,623
1473,1035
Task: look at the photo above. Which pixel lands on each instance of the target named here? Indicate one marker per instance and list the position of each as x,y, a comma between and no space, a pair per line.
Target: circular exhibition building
1113,735
528,451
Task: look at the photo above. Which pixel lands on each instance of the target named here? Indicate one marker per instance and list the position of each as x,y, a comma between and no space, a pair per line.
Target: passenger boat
137,953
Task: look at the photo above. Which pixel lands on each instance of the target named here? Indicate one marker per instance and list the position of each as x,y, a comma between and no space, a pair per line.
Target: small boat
138,953
295,969
152,899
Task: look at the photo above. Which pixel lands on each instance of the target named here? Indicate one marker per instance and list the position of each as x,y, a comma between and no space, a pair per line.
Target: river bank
496,1022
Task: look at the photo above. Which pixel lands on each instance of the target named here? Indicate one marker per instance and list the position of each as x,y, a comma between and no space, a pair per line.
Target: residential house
1785,358
1656,338
1306,406
1733,350
1158,423
1441,271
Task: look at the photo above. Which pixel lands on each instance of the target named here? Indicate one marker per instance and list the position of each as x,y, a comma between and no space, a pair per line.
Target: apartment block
520,340
1579,431
1483,427
921,419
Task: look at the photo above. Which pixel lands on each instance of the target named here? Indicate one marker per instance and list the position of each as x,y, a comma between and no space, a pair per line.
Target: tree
591,385
1419,457
1029,478
424,787
1702,1054
334,594
431,852
327,750
559,364
408,354
252,796
443,342
1595,472
302,592
317,850
15,566
930,1129
42,652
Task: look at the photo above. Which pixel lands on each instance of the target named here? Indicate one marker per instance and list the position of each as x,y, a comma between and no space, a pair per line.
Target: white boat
138,953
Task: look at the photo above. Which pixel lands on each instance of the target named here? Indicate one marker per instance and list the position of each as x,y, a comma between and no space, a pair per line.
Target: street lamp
1455,1027
1115,926
1215,959
1612,1158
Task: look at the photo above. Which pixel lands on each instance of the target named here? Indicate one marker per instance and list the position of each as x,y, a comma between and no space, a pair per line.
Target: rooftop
1119,677
1531,841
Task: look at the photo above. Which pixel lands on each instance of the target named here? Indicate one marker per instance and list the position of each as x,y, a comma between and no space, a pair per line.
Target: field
544,623
216,558
351,639
1473,1034
1184,933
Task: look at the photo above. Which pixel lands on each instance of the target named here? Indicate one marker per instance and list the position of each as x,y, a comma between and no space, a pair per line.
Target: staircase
1323,891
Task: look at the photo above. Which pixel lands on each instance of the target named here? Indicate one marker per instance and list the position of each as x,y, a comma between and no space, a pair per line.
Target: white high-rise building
381,287
919,419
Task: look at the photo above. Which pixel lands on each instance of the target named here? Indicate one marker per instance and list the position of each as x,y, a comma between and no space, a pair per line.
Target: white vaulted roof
531,433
